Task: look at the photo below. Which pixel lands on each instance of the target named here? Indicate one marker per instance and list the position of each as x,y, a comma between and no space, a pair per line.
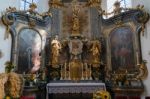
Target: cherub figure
117,9
32,8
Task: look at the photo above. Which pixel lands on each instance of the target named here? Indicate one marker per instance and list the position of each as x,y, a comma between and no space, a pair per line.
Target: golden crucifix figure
75,18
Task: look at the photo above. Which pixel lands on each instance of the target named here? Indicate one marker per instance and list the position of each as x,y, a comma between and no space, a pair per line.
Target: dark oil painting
122,48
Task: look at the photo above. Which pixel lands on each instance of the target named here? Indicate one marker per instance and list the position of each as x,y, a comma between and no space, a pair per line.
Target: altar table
54,88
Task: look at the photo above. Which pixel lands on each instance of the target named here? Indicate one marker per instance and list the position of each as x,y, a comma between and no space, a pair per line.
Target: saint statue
56,47
95,50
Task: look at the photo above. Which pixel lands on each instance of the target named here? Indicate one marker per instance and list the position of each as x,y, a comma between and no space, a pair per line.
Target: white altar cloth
53,88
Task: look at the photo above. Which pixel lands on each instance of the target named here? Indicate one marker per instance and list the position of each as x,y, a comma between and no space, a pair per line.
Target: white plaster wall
5,45
42,6
145,42
104,4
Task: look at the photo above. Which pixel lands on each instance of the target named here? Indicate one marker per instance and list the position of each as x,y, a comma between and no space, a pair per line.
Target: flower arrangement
101,95
9,66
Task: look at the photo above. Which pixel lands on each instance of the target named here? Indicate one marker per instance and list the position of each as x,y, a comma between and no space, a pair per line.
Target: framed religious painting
122,48
122,33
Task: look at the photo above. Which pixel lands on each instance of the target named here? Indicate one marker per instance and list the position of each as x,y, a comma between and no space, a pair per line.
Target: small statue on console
56,47
32,8
117,9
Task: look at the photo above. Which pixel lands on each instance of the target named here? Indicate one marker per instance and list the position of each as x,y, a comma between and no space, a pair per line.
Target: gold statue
75,19
117,9
95,49
56,47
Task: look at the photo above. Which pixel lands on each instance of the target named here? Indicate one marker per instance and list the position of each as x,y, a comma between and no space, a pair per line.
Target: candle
86,71
137,57
69,72
65,71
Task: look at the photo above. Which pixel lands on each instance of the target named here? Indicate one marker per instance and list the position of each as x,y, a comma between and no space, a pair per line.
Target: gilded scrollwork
142,18
143,71
8,21
56,4
95,4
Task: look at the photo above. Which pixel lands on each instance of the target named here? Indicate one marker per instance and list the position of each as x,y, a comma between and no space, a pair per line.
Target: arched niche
29,51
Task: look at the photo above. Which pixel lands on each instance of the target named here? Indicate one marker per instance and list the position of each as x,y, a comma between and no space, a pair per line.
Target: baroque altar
75,56
93,48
